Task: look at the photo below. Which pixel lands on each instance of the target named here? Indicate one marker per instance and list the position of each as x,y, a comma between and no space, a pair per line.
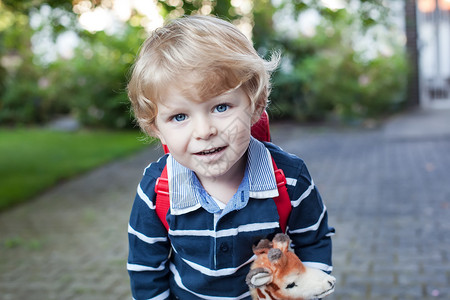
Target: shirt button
224,247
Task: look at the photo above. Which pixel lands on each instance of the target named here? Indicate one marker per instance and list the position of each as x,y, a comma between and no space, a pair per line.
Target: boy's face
207,137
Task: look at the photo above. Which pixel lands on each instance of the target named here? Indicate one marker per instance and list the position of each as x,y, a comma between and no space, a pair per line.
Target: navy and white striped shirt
208,250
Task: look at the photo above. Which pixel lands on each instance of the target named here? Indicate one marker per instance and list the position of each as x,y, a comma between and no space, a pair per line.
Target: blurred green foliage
23,99
327,79
323,77
94,80
91,85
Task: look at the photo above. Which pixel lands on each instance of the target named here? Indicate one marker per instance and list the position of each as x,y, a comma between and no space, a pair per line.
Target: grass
32,160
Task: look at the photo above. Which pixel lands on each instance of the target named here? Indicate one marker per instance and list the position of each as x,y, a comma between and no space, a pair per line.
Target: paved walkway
387,191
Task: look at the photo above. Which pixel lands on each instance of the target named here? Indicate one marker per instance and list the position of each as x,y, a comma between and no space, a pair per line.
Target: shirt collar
187,193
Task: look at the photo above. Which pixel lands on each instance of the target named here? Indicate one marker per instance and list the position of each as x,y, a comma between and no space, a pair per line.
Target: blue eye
221,107
179,117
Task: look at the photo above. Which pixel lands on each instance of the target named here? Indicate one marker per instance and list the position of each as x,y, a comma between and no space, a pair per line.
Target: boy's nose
204,129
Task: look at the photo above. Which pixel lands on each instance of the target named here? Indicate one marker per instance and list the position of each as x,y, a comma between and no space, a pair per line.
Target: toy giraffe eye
291,285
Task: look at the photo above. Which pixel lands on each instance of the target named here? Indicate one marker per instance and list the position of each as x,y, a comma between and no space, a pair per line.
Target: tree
412,51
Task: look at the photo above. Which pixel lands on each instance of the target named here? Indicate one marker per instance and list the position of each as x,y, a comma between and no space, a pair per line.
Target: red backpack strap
261,129
162,197
166,150
283,201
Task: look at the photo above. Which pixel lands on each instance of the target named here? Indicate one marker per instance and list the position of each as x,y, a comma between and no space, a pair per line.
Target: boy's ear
157,133
255,118
257,115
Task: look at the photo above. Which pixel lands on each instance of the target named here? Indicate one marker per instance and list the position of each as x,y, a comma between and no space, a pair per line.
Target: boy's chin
212,172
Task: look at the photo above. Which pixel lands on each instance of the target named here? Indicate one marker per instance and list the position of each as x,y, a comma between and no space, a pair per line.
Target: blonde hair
198,54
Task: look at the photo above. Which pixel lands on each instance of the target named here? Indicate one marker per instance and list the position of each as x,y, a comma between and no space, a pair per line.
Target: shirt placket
222,246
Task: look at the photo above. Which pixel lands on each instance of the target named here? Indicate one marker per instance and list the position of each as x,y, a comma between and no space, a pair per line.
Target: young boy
199,85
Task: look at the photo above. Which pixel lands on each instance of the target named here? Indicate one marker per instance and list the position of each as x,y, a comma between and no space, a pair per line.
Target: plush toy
278,274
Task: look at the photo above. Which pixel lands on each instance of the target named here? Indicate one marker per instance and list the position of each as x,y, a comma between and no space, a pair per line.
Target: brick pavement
387,191
71,242
388,195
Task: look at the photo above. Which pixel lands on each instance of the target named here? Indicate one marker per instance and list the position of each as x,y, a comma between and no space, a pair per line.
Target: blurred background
350,65
64,65
71,58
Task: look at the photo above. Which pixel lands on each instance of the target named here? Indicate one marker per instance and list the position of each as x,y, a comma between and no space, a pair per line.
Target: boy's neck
225,186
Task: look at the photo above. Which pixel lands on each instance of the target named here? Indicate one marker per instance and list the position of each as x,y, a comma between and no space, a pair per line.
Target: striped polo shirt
208,250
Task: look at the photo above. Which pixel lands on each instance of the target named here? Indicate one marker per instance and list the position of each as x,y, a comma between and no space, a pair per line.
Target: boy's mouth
210,151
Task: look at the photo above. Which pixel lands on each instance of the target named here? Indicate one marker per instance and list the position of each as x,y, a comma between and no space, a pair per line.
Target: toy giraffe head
277,273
